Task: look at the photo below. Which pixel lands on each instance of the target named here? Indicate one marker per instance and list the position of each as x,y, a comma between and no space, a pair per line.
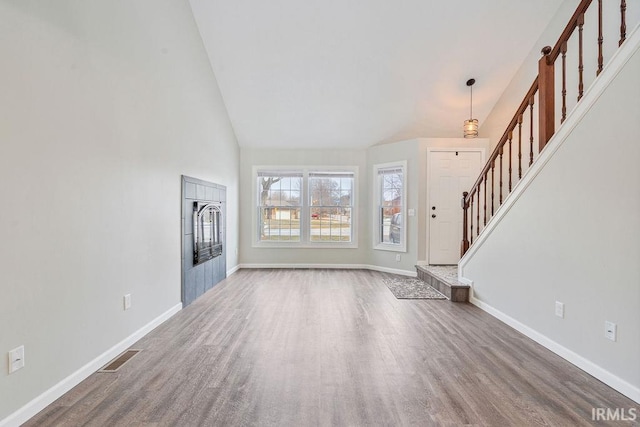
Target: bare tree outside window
279,206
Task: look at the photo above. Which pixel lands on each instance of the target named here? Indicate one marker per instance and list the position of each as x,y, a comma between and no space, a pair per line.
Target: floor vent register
119,361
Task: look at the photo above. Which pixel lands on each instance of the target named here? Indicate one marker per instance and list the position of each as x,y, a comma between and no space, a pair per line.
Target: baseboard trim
334,266
233,270
586,365
465,281
408,273
42,401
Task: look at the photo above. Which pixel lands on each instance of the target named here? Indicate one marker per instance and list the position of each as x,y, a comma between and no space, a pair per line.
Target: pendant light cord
470,83
471,104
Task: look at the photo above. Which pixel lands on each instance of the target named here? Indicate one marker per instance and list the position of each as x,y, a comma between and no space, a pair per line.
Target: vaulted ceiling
354,73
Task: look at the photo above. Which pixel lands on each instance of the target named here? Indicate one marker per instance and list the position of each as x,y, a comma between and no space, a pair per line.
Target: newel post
464,245
546,86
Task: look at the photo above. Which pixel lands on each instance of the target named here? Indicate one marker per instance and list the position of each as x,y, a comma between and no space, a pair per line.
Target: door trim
431,150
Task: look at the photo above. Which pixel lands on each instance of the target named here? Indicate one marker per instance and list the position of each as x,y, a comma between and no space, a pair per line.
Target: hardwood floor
332,347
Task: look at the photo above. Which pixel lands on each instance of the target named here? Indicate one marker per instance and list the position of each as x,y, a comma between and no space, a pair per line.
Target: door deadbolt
433,208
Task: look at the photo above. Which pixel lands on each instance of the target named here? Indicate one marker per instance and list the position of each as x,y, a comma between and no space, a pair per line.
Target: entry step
444,278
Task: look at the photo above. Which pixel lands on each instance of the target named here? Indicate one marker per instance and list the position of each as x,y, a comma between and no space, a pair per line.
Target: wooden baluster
478,211
464,246
510,138
580,57
564,82
531,131
546,98
623,22
600,38
485,198
471,211
519,147
493,185
500,152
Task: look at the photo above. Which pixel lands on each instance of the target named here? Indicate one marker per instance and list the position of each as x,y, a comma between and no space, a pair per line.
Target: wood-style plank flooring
332,347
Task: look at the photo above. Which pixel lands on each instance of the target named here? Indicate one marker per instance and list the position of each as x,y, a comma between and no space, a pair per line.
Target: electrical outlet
560,309
398,258
610,330
16,359
127,301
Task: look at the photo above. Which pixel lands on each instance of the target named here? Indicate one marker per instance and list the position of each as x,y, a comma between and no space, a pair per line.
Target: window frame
305,210
277,208
378,244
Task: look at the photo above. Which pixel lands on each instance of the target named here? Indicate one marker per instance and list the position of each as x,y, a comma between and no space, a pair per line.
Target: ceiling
355,73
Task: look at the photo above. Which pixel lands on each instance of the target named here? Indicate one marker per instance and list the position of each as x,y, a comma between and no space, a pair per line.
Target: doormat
411,288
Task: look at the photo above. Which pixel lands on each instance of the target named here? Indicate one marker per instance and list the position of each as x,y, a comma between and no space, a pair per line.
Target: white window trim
305,209
377,244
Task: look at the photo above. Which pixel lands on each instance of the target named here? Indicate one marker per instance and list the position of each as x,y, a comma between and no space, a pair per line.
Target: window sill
390,247
304,245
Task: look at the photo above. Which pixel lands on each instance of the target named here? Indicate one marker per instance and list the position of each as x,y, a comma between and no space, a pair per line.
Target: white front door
450,173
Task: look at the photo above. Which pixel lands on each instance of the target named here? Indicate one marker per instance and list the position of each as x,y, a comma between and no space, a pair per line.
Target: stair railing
479,203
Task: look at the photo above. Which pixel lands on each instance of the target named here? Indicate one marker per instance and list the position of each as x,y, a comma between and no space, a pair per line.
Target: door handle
433,216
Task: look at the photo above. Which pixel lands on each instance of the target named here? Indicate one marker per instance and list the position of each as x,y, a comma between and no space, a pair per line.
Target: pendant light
471,125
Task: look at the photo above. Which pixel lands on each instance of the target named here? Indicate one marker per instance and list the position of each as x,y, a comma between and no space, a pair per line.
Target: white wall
104,105
572,237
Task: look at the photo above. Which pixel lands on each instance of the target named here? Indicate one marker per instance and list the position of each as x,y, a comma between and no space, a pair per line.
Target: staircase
553,218
561,71
525,136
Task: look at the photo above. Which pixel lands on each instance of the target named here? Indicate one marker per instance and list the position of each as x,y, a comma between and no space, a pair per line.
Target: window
390,230
330,195
305,207
279,205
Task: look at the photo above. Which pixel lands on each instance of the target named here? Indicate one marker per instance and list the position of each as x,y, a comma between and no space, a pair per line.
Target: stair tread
448,274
